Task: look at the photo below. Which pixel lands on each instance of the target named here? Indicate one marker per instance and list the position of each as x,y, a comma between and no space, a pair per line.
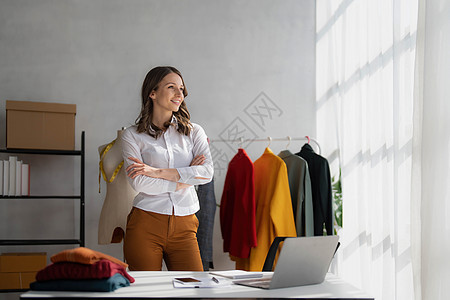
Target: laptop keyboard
260,282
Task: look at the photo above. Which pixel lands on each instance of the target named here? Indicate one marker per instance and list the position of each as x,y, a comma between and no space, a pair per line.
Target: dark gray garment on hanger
205,215
319,171
301,194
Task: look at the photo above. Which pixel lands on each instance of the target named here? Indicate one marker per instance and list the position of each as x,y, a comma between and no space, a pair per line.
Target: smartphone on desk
187,279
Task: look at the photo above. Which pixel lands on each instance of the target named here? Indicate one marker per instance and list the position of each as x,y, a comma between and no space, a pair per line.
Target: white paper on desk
237,274
204,282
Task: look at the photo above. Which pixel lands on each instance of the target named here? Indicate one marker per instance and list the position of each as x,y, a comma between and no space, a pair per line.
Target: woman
165,155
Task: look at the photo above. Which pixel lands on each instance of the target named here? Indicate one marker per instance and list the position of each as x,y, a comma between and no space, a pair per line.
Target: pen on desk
215,280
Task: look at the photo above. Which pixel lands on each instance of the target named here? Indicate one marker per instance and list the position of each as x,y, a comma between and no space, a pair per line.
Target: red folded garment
71,270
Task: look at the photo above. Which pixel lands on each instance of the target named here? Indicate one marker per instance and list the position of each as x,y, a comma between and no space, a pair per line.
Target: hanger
241,142
309,140
270,141
289,142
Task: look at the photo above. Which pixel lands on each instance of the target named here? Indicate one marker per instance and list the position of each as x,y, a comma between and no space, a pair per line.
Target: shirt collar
174,121
307,147
268,151
285,153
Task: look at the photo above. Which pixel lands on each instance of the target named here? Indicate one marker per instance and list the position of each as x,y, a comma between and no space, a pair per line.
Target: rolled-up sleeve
200,174
142,183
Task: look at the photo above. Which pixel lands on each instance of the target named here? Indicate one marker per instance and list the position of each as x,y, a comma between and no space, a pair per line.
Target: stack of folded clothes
82,269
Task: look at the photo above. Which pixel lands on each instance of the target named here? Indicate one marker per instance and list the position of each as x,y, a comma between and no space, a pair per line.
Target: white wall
234,55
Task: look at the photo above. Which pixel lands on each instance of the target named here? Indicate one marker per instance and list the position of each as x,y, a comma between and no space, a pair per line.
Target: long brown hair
144,121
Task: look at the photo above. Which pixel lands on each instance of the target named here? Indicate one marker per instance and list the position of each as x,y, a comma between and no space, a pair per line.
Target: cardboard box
22,262
26,278
10,281
40,125
16,281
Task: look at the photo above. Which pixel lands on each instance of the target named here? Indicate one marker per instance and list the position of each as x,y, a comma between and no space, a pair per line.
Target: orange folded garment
84,256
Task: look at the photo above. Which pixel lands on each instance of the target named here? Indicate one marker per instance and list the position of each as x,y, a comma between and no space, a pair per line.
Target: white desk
159,285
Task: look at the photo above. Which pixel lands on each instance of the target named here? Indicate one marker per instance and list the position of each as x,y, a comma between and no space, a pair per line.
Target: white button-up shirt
170,150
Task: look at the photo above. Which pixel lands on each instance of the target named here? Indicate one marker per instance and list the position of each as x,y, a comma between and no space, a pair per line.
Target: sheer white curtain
364,92
431,155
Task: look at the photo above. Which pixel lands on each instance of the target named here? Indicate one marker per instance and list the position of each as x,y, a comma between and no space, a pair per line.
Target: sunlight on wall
365,54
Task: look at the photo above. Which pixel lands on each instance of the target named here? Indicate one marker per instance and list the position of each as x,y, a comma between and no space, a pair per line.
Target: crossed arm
171,174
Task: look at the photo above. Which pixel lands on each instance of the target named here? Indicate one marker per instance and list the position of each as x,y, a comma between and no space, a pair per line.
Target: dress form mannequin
119,193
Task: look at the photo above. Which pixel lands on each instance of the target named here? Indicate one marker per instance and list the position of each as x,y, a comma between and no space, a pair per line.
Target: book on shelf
25,180
12,175
5,177
18,191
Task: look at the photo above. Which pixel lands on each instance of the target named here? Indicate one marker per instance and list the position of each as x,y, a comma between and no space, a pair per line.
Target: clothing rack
270,139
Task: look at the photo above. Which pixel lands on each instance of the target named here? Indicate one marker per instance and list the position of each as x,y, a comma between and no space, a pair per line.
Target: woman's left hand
198,160
139,168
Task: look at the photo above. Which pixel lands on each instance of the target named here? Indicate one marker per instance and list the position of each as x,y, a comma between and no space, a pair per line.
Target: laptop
302,261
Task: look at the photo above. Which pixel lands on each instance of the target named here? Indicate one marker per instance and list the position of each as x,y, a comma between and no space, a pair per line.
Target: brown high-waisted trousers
151,237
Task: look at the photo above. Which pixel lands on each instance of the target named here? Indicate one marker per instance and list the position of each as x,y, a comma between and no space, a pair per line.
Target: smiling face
168,95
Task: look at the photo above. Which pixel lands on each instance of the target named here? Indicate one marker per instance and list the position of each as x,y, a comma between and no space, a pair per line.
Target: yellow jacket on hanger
274,215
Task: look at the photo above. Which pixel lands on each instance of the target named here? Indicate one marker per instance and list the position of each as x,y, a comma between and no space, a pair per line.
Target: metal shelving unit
81,196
